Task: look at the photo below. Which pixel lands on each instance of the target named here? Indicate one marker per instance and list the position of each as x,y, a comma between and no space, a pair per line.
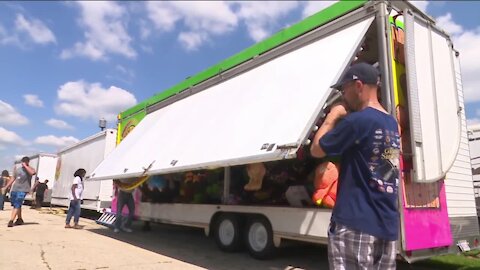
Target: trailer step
107,219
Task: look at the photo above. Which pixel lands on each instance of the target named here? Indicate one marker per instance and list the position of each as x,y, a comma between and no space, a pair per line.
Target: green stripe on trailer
327,15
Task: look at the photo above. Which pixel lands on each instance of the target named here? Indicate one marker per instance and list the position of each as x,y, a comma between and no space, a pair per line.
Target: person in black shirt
40,189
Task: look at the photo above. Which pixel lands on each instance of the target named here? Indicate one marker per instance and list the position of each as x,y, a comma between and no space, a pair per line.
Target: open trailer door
262,114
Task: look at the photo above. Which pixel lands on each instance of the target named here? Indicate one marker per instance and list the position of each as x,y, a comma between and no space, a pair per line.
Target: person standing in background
75,199
20,187
3,182
124,197
34,203
40,189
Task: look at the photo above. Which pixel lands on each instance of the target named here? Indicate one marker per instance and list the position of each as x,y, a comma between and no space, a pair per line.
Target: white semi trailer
86,154
261,106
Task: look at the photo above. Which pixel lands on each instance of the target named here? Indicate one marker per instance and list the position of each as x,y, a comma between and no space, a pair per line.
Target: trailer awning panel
242,120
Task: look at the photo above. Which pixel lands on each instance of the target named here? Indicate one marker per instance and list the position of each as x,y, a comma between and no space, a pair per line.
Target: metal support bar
383,33
226,184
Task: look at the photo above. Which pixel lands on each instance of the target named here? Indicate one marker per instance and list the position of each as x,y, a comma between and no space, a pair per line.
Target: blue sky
64,65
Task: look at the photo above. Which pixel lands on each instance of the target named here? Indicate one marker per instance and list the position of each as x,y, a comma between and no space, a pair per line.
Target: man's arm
29,169
336,113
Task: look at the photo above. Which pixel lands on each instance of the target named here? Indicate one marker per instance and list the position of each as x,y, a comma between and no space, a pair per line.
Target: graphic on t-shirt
384,162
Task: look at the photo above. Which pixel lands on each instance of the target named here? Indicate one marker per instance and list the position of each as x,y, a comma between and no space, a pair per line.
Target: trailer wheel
259,238
228,232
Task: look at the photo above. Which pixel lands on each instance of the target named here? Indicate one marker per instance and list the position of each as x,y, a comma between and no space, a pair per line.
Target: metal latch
145,170
287,146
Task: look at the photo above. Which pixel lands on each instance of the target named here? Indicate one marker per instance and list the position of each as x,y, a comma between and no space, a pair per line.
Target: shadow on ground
192,246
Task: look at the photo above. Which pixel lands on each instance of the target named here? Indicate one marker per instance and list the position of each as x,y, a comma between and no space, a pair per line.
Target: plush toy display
326,178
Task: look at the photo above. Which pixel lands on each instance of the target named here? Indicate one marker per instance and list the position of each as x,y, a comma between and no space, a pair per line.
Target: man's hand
337,112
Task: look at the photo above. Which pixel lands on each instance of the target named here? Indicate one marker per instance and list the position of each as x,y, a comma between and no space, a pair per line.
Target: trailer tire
227,232
259,238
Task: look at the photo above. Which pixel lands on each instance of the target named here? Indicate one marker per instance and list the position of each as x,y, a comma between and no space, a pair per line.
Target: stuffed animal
256,172
326,178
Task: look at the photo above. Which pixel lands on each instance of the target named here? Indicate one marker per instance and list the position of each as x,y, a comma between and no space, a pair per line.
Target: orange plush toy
256,172
326,178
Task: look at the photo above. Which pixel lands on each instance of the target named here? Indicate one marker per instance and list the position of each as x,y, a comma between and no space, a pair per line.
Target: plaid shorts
350,249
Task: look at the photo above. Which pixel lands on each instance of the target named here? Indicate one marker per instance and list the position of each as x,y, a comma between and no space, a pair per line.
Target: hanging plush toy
326,178
256,172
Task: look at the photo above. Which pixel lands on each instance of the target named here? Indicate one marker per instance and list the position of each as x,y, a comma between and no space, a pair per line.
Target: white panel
46,170
459,186
426,97
464,191
434,100
106,187
302,222
228,123
34,164
449,122
461,212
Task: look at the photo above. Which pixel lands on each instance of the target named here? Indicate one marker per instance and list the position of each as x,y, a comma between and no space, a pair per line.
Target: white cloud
473,121
91,100
129,73
105,32
422,5
33,100
200,19
261,17
467,43
24,31
312,7
10,116
35,29
123,74
446,23
147,49
7,38
145,31
56,141
59,124
192,40
9,137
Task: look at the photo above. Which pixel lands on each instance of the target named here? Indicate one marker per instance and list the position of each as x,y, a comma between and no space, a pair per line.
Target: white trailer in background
86,154
474,141
45,165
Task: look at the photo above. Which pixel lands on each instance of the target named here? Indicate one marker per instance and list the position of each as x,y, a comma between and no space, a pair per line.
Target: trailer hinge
267,146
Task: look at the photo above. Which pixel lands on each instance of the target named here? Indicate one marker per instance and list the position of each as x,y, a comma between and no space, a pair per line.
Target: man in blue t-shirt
364,224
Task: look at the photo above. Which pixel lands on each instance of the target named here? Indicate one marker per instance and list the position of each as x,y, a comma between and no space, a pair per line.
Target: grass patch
465,261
